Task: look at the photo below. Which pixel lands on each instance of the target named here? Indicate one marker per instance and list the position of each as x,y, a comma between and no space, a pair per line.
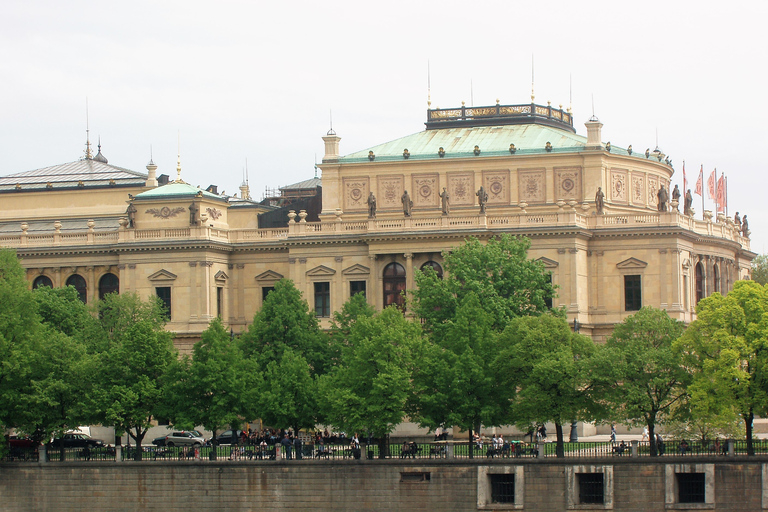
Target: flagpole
701,176
725,195
717,205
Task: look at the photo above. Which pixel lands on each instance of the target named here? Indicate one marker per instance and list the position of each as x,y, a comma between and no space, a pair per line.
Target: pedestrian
659,444
613,432
286,443
645,435
297,446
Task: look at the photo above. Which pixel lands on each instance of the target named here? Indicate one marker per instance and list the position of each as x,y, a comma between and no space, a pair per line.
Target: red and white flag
685,180
700,183
721,201
711,186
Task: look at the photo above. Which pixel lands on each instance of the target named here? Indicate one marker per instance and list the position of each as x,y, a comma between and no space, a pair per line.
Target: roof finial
429,87
331,132
315,165
178,159
151,162
88,152
570,92
532,95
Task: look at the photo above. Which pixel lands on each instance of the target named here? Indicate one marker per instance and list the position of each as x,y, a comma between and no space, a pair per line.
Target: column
193,291
409,281
663,277
207,307
338,296
374,281
90,282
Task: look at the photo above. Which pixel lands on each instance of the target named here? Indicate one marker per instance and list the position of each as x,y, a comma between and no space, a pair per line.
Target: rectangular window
265,291
591,487
632,297
219,297
164,292
356,287
502,488
690,487
323,299
548,300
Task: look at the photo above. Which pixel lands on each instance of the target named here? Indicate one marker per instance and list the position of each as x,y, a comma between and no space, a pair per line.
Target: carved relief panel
425,193
496,184
568,184
461,188
531,186
619,186
390,190
638,188
355,194
653,190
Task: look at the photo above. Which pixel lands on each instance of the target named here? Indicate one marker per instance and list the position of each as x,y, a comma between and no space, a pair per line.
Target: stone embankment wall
420,485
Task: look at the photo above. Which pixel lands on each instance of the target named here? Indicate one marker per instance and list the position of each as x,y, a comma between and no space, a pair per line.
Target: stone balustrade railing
718,228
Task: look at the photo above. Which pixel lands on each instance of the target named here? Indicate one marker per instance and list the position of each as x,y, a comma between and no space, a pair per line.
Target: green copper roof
175,190
491,141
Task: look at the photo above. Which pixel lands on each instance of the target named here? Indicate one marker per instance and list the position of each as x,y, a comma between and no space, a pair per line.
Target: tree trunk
560,448
748,421
471,444
138,438
212,455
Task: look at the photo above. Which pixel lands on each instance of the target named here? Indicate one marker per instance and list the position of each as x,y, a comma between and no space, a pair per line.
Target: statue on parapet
131,212
599,200
482,198
663,199
371,206
444,201
737,222
744,227
407,204
193,209
676,197
687,209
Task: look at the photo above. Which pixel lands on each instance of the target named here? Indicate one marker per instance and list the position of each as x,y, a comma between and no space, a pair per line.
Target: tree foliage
548,364
727,346
510,284
760,269
285,321
288,396
369,390
640,372
209,389
136,355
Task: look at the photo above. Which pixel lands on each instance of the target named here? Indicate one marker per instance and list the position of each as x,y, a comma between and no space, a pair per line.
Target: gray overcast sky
256,80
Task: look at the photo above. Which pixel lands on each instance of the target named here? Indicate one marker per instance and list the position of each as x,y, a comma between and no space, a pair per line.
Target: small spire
88,152
178,159
429,91
533,96
331,132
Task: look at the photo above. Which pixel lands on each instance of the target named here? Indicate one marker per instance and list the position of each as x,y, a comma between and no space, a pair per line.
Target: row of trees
478,347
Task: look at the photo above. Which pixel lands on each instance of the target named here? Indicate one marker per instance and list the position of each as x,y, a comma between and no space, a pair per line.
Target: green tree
548,365
369,390
727,347
456,382
499,271
209,389
288,396
133,364
285,321
20,333
640,374
760,269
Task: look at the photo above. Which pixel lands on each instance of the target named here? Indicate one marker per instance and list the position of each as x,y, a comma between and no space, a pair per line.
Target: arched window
699,283
109,283
716,279
42,281
434,265
394,285
78,283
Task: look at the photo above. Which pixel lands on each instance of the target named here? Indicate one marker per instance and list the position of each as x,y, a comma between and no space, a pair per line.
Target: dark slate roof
90,172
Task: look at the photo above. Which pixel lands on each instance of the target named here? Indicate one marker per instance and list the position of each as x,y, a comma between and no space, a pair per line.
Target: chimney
593,133
151,174
331,146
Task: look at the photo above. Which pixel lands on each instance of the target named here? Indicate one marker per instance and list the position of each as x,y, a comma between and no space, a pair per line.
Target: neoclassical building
386,211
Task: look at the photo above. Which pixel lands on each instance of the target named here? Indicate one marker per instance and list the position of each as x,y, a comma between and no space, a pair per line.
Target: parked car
76,440
182,438
226,437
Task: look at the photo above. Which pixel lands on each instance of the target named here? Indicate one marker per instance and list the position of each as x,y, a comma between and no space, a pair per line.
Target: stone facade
206,254
730,485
